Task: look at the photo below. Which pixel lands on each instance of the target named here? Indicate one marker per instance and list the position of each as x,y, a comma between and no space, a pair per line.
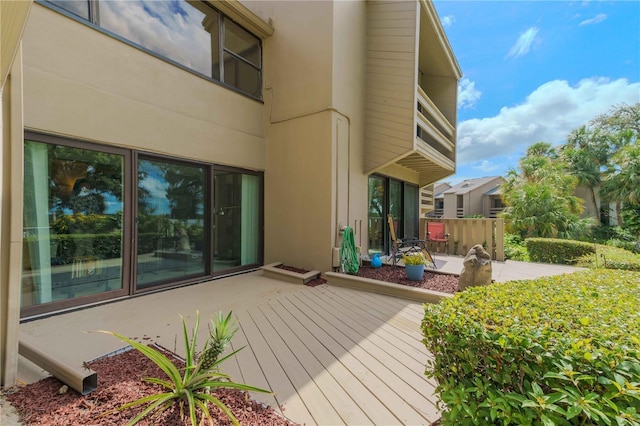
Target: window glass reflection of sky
173,29
156,185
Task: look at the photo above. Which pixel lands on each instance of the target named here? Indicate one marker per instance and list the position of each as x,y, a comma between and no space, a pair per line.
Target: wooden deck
336,356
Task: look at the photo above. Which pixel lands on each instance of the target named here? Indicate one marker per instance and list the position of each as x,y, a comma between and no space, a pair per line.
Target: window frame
130,286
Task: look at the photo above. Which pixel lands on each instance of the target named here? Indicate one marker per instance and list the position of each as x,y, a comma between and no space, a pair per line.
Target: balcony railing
494,211
433,127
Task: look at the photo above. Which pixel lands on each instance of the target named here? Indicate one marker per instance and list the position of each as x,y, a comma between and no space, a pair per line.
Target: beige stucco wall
314,98
80,82
11,122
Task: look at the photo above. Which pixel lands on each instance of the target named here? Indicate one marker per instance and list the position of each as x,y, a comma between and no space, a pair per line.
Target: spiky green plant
221,331
190,387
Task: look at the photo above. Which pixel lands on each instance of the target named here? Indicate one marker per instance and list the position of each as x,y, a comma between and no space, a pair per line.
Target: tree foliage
603,156
539,197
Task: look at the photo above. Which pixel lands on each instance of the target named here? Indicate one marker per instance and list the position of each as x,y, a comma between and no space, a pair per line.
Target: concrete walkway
508,270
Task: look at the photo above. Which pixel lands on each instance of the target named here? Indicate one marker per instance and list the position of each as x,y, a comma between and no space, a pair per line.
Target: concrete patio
331,355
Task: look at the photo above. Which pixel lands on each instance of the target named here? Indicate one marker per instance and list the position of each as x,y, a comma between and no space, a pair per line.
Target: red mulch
120,381
432,280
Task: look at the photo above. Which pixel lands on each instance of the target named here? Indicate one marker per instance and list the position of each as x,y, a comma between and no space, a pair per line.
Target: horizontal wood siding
391,81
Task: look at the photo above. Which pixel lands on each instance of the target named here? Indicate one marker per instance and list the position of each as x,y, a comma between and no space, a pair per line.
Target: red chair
436,235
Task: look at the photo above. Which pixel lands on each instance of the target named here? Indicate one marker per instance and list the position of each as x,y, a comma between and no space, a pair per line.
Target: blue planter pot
414,272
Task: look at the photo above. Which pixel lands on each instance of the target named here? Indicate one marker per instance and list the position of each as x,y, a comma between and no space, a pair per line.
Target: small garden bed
292,274
432,280
49,402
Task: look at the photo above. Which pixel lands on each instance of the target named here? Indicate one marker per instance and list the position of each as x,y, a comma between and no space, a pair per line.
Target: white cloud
524,43
448,21
597,19
468,95
548,114
486,166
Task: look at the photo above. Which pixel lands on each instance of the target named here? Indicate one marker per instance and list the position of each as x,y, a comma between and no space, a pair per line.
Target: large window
103,222
170,225
73,227
189,33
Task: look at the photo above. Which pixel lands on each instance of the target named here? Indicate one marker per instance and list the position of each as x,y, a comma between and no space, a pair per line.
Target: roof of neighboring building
497,190
469,185
439,188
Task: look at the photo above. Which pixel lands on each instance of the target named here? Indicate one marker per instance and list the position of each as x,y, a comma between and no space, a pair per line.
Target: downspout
81,379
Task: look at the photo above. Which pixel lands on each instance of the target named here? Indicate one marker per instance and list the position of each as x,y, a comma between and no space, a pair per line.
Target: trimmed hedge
560,350
611,258
552,250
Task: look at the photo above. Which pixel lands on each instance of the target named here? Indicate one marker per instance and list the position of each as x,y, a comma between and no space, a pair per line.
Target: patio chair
406,245
437,236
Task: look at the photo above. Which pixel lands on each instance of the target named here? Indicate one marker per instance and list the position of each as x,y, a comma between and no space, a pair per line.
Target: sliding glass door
171,238
103,222
73,223
236,219
395,197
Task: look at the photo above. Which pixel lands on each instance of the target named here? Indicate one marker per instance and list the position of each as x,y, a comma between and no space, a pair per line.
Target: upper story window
189,33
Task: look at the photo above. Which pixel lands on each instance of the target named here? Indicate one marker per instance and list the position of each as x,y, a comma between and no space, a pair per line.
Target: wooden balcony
412,80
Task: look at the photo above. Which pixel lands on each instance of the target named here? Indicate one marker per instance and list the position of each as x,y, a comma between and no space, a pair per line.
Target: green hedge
559,350
552,250
611,258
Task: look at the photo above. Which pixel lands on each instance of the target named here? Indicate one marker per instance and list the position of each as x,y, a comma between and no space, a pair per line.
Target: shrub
560,350
611,258
514,248
552,250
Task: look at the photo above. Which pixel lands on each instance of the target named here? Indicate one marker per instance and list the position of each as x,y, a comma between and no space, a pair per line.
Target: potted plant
414,265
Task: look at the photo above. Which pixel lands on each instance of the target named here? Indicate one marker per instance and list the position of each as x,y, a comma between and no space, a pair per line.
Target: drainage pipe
81,379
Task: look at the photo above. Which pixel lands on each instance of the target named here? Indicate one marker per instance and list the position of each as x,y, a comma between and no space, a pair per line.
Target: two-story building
147,145
471,197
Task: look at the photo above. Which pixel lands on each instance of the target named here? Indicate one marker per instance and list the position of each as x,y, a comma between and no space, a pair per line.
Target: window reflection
171,238
77,7
173,29
185,32
73,210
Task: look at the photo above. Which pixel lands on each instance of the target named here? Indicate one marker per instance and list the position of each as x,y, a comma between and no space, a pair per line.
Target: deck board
335,355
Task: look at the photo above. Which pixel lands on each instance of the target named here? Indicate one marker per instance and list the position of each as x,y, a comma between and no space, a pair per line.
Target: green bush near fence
560,350
611,258
553,250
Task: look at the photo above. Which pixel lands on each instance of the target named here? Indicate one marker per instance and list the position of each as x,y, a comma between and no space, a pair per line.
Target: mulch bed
432,280
47,402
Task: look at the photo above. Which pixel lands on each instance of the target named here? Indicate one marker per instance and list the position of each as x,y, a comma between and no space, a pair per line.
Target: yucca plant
189,388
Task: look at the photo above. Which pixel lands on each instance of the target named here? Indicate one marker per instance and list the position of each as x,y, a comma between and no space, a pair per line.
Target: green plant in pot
414,265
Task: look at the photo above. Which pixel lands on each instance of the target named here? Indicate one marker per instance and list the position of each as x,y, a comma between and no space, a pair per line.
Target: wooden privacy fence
465,233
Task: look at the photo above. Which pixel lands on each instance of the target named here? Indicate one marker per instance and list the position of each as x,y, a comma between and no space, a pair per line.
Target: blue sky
534,71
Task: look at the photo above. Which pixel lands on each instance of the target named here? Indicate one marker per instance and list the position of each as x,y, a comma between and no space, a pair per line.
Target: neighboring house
147,146
437,205
473,197
602,213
